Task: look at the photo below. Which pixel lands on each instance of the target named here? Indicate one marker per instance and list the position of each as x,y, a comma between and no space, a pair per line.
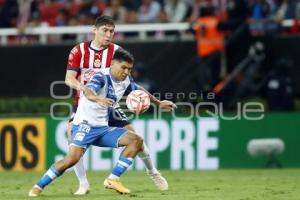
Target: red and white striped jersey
87,61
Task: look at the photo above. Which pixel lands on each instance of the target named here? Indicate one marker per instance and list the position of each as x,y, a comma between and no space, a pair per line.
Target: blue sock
48,177
121,166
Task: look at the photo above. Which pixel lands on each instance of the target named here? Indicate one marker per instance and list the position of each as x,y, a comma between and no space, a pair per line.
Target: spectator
28,10
195,11
62,18
297,13
8,13
131,18
149,11
237,12
260,19
132,4
176,10
286,10
92,8
49,11
116,11
73,8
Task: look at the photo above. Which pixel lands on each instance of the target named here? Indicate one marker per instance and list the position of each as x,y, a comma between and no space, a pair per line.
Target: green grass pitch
279,184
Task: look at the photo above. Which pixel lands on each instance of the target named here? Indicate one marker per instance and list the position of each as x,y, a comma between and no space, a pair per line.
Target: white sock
113,177
145,157
80,172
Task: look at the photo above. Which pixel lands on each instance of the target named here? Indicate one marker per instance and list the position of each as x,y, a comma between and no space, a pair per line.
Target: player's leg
116,137
118,118
57,170
84,186
160,182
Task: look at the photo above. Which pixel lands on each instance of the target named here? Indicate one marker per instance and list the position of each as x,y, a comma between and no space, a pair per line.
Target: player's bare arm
165,104
72,81
90,95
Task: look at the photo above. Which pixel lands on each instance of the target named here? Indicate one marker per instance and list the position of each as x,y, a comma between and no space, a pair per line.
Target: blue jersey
104,85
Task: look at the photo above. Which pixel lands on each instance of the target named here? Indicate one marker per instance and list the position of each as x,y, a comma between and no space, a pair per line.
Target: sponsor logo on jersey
88,74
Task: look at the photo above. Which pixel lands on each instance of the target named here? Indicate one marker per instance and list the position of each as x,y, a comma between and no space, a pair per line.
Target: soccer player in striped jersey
86,59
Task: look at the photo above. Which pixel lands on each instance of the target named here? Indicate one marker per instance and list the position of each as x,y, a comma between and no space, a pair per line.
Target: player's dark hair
104,20
123,55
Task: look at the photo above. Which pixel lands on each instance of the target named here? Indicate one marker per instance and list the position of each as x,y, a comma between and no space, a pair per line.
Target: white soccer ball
138,101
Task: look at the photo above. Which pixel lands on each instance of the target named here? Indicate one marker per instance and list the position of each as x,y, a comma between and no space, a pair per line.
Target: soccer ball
138,101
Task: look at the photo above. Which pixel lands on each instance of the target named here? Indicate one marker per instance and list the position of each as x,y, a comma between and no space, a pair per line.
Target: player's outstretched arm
165,104
72,82
102,101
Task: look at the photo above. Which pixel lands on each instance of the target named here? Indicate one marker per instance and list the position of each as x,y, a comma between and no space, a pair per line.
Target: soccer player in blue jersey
90,124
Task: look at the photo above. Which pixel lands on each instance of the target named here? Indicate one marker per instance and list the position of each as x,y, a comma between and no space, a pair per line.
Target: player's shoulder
78,46
76,49
130,78
115,46
104,71
101,74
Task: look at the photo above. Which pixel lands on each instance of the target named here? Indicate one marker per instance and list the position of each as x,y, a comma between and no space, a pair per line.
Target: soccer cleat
83,189
160,182
35,191
116,185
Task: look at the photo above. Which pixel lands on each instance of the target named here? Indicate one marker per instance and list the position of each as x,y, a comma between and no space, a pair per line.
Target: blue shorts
83,135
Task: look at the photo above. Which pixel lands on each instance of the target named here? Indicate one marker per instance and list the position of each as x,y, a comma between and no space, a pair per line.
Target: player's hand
81,87
167,105
106,102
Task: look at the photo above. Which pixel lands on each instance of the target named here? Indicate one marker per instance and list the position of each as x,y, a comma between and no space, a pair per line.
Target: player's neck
113,77
97,45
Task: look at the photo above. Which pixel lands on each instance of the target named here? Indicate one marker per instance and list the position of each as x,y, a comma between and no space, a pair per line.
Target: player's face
120,70
104,34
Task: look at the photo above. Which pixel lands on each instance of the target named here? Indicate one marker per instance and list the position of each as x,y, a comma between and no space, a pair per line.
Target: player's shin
113,181
160,182
121,167
84,185
145,157
48,177
80,172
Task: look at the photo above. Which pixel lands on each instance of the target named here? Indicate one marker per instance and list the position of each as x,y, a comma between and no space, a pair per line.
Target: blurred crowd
263,15
212,21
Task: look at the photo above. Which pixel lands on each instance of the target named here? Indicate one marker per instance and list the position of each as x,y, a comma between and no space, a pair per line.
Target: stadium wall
29,70
175,142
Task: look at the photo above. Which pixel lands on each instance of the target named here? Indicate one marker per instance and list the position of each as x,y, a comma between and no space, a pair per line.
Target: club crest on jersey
97,63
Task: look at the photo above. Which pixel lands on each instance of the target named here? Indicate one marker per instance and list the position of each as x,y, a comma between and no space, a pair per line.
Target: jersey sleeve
74,59
97,82
132,86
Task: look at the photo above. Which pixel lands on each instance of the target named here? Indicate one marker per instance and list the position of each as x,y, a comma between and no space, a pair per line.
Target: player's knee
69,161
138,142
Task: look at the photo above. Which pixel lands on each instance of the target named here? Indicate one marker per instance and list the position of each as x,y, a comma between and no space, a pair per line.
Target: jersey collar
98,50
